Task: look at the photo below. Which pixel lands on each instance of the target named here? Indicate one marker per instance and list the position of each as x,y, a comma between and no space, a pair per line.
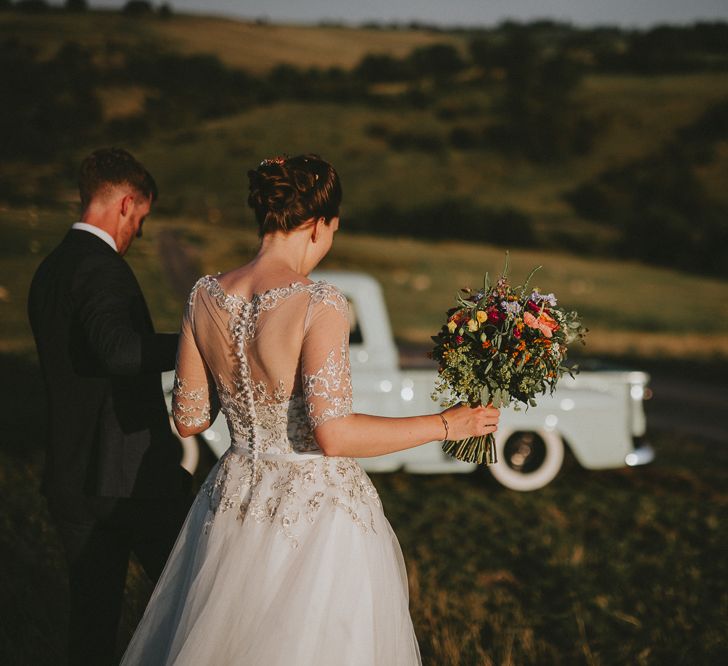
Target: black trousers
98,535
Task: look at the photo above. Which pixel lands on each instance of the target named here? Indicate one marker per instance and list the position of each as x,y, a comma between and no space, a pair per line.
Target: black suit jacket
108,430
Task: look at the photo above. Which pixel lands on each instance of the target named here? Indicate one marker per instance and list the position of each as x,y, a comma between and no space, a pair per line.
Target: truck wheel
528,460
190,450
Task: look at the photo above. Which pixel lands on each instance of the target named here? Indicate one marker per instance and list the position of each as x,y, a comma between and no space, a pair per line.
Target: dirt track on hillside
179,265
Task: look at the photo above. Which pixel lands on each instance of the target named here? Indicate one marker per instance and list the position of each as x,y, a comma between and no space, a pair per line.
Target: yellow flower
481,316
451,326
473,326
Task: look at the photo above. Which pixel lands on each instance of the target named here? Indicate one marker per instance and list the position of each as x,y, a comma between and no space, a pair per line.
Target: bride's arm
326,379
194,396
362,435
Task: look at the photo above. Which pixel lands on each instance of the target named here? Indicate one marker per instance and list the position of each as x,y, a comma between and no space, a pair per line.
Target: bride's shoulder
208,283
328,295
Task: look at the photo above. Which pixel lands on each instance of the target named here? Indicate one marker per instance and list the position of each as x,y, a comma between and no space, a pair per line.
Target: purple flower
512,307
538,297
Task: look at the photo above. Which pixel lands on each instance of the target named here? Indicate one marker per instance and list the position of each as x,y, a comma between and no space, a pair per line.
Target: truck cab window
355,336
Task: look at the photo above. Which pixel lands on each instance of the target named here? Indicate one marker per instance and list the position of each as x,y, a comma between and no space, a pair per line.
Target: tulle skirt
237,590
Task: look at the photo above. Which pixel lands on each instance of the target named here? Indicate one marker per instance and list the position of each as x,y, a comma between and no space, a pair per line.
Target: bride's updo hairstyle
286,192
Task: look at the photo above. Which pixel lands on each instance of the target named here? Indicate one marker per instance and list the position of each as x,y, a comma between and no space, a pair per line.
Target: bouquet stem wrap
480,450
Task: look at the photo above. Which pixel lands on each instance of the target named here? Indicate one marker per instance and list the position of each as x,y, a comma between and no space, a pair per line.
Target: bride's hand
464,421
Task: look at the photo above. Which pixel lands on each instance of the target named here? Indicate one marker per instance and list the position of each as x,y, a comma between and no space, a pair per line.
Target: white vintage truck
598,415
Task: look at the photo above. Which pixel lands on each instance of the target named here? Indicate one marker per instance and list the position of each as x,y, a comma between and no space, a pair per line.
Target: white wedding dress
286,557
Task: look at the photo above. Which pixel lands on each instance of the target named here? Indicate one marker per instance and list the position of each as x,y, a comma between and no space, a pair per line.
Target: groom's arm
159,352
105,297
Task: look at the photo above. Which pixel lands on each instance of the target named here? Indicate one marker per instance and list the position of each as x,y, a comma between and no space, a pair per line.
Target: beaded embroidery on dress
286,556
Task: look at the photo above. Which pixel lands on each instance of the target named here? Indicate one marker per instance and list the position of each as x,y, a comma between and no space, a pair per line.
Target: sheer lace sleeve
325,369
194,396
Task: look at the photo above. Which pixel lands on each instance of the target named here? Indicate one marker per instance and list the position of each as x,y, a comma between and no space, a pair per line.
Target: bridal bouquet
502,345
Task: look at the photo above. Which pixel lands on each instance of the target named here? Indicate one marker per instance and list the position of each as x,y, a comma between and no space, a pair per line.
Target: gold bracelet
447,429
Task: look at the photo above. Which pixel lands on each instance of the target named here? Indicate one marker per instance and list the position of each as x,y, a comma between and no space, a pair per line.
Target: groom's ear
126,205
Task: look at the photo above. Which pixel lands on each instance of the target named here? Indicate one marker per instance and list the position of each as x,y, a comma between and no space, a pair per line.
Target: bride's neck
279,252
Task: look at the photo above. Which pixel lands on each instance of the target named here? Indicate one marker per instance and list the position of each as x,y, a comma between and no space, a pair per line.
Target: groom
112,478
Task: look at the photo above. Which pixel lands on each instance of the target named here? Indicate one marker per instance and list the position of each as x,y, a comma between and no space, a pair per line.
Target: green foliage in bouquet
501,345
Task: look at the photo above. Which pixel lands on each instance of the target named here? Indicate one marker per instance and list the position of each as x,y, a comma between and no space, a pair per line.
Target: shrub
424,142
37,126
439,61
32,6
448,219
658,205
76,6
382,68
137,8
465,138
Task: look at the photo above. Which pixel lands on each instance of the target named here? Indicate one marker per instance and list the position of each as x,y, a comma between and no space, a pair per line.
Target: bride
286,557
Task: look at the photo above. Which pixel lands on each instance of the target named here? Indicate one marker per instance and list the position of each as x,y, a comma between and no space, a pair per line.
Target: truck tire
527,459
190,450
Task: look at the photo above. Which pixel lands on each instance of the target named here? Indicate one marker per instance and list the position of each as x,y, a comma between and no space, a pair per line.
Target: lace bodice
277,365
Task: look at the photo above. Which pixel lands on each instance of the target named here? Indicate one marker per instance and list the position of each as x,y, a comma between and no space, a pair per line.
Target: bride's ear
315,230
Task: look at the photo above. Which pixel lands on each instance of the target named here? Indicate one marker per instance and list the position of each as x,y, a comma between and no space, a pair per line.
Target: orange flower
544,323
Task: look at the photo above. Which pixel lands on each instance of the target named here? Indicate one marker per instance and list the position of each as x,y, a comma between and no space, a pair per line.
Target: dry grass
248,45
610,567
122,101
258,47
574,574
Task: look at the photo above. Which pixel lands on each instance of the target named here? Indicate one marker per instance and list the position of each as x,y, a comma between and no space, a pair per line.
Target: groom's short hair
108,167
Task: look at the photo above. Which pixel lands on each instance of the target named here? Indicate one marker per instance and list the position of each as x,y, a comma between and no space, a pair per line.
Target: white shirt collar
103,235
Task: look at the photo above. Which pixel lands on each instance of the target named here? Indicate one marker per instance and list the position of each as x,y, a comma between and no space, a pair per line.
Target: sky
626,13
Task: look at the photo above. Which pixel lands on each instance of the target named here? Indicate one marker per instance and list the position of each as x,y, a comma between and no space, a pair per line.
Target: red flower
495,315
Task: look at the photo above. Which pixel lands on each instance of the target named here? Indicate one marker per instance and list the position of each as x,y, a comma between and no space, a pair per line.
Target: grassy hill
252,45
638,116
201,164
391,152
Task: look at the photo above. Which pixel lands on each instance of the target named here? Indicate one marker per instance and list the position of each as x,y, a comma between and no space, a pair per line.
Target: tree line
131,7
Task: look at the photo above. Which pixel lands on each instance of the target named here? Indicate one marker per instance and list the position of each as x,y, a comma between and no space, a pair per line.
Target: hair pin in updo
278,159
